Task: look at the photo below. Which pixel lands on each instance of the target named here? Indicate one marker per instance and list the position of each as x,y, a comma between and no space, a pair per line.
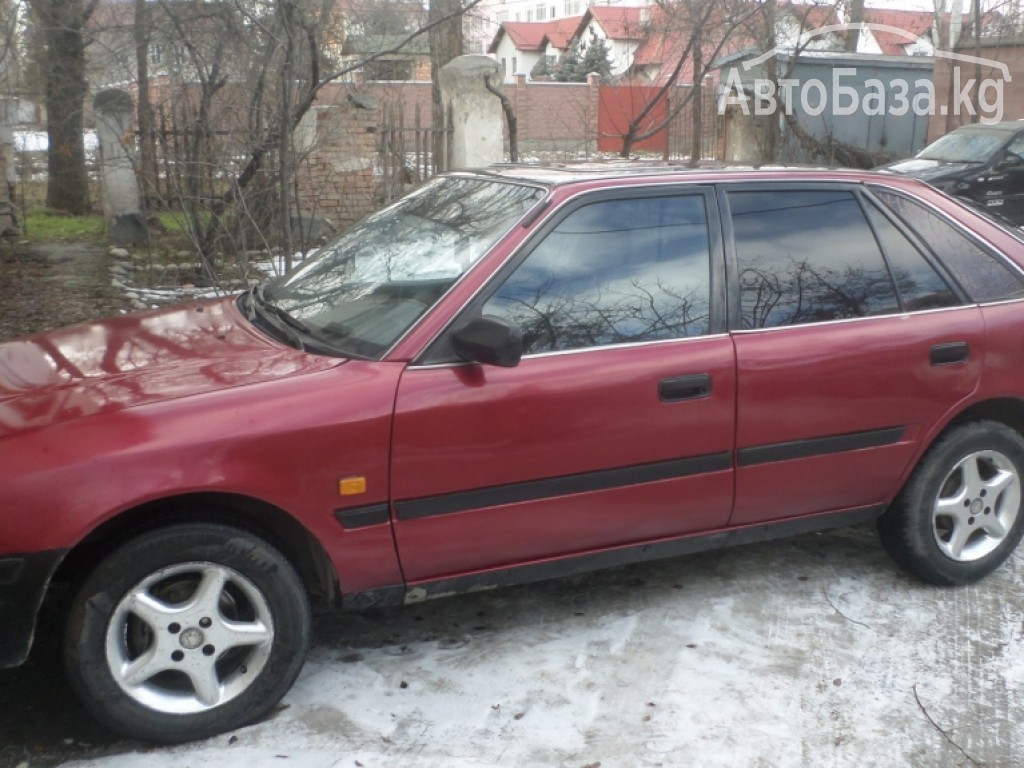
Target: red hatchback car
507,375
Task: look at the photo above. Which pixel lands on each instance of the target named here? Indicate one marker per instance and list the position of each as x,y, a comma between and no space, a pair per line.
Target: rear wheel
959,516
186,632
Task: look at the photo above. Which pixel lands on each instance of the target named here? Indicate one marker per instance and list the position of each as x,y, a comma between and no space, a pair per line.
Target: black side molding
533,490
949,354
818,446
360,517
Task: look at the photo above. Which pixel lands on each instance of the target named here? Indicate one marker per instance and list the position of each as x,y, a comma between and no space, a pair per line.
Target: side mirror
1009,163
489,340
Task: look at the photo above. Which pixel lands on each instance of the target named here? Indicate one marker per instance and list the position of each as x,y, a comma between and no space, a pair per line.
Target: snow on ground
810,652
38,141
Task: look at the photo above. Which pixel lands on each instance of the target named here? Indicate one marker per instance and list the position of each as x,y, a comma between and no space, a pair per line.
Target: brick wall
336,175
559,117
555,116
339,172
1008,52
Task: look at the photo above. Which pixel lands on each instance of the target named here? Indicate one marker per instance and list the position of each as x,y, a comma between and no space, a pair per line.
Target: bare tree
856,19
144,109
62,23
445,21
696,33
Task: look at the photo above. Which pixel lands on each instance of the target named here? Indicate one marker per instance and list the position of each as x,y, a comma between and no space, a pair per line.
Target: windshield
359,294
964,147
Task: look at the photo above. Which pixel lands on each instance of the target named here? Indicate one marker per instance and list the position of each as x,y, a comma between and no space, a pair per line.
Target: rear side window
805,257
983,277
919,284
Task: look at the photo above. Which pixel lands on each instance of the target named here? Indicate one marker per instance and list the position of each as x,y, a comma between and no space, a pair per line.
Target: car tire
960,514
186,632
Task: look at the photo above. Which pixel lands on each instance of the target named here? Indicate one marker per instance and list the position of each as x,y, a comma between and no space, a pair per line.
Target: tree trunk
772,134
146,169
66,88
445,45
856,19
697,104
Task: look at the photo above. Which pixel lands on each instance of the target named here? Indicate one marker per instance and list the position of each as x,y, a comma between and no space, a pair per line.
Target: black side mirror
1009,163
489,340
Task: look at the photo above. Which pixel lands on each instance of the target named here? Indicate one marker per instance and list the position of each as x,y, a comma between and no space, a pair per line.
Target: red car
507,375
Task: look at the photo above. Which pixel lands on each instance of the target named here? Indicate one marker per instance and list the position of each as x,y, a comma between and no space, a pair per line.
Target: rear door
851,345
617,426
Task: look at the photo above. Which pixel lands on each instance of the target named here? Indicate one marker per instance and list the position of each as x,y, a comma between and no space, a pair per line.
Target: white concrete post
122,207
477,138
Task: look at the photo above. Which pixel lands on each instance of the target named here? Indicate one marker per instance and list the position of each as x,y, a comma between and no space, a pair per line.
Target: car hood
138,359
925,170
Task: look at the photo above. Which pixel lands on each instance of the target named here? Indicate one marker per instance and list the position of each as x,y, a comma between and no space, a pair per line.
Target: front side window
1016,147
613,272
364,290
983,277
806,257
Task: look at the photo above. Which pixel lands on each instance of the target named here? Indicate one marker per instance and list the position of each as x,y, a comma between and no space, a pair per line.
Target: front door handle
950,353
693,387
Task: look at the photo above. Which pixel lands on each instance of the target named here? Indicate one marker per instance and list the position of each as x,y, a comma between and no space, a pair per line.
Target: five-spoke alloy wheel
959,516
186,632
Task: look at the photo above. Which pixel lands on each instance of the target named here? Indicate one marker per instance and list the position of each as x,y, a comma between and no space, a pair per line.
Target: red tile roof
917,23
560,32
535,35
618,23
525,35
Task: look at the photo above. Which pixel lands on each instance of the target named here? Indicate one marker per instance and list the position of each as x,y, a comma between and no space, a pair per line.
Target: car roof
627,171
1007,126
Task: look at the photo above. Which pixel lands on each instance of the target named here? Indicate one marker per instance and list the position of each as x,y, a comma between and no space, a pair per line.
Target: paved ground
51,285
813,652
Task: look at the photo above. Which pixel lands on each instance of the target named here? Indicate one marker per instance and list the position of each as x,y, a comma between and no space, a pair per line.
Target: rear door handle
693,387
950,353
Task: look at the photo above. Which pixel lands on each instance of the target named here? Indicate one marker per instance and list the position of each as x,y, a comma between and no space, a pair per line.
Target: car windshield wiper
282,314
259,305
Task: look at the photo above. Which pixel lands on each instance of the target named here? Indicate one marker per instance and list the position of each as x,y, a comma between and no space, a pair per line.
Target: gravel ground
47,286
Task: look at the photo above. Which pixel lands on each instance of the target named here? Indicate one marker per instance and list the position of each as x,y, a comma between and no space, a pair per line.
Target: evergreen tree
597,59
567,68
542,69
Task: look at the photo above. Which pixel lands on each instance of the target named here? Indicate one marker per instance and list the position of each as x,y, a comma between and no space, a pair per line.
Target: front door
616,427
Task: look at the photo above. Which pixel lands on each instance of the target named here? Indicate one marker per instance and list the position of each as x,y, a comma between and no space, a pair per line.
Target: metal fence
410,153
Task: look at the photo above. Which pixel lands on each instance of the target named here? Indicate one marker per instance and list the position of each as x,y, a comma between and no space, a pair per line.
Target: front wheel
187,632
960,516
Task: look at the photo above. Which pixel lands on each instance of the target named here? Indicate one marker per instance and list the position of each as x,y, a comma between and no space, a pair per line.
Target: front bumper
23,582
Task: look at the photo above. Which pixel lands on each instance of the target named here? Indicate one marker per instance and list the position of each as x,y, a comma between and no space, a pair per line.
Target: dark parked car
508,375
983,164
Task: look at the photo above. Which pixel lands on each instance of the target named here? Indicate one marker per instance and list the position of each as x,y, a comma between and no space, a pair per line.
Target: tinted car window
919,285
1016,146
982,276
613,272
806,256
964,147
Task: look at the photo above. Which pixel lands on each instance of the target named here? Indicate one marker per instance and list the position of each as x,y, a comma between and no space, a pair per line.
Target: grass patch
42,225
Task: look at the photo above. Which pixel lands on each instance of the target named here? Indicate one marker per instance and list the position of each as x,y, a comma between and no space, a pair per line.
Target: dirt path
47,286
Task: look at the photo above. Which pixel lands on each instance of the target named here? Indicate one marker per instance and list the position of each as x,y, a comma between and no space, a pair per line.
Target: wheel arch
255,516
1006,410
